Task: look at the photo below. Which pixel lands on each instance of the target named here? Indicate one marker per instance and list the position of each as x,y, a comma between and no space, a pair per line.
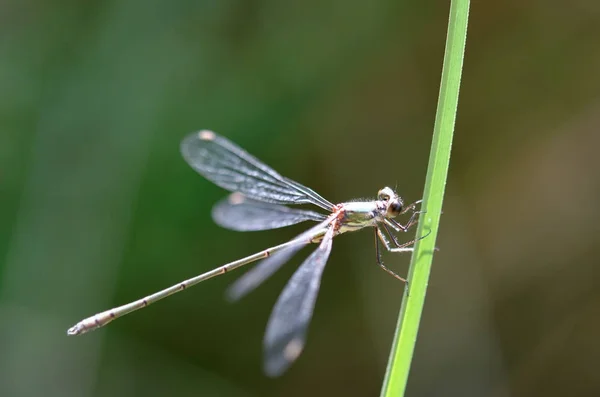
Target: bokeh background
98,208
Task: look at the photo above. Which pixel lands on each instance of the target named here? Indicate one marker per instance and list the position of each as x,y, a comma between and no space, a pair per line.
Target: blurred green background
98,208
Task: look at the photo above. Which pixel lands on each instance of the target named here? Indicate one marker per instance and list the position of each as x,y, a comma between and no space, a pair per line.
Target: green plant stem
414,296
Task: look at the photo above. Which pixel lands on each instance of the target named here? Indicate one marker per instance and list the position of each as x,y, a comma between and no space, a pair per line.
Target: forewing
286,330
240,213
230,167
270,265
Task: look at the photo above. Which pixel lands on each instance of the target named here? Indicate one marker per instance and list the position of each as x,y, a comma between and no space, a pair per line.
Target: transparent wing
230,167
270,265
286,331
237,212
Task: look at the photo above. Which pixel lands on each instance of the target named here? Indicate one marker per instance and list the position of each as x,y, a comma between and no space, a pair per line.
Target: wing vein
230,167
288,324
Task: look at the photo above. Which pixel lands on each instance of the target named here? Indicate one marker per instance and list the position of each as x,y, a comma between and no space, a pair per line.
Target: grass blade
412,305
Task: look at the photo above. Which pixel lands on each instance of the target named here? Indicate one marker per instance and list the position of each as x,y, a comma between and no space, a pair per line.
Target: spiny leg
397,226
399,248
395,239
411,206
378,256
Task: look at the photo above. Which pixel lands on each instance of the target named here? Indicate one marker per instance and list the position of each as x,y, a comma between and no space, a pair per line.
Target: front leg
379,236
399,247
397,226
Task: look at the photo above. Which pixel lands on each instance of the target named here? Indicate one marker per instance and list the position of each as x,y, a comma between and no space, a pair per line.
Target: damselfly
256,204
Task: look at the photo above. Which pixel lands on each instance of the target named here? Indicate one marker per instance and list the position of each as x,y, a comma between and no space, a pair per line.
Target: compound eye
395,208
383,196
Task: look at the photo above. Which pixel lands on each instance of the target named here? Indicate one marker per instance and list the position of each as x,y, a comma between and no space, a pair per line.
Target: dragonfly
258,202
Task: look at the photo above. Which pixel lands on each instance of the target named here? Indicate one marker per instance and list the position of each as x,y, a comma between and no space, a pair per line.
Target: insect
257,203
